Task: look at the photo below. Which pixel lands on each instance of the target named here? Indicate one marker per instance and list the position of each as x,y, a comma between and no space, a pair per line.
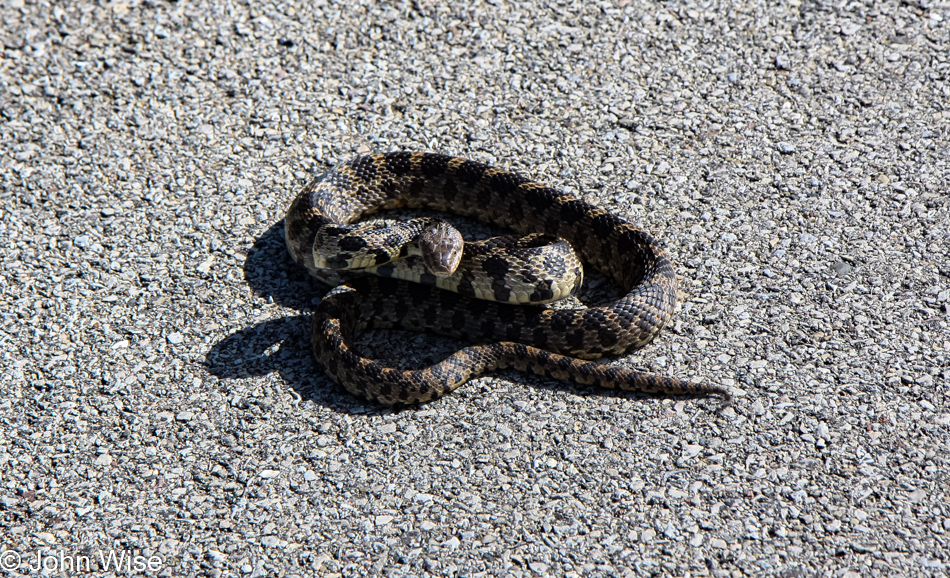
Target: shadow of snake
282,345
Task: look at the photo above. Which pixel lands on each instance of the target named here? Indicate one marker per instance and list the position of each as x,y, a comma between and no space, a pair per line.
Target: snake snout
440,245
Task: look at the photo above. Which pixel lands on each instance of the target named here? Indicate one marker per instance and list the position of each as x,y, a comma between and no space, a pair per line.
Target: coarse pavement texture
157,396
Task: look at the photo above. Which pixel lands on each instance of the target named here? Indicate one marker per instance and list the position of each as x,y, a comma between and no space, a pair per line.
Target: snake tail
335,321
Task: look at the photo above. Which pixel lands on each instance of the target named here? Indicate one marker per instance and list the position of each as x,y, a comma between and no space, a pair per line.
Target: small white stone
46,537
786,148
270,541
452,543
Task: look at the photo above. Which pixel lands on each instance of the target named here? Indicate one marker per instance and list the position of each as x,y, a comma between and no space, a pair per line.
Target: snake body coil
548,342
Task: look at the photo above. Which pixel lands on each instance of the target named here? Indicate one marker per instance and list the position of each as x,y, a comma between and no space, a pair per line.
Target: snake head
440,245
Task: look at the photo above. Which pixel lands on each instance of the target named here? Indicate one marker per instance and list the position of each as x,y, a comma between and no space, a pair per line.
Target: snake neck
367,184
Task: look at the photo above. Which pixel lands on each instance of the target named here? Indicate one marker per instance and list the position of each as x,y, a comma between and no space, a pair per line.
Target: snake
558,343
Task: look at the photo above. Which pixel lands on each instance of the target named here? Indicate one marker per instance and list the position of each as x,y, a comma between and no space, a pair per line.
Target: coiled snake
549,342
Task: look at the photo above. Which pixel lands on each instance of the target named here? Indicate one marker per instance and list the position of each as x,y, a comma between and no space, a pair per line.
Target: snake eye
441,247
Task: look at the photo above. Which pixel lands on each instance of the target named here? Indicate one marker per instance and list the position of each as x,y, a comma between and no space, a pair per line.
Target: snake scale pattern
555,343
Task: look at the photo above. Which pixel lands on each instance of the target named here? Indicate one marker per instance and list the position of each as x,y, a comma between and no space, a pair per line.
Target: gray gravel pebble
786,148
157,397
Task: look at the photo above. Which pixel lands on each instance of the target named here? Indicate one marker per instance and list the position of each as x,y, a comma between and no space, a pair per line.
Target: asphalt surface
158,403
